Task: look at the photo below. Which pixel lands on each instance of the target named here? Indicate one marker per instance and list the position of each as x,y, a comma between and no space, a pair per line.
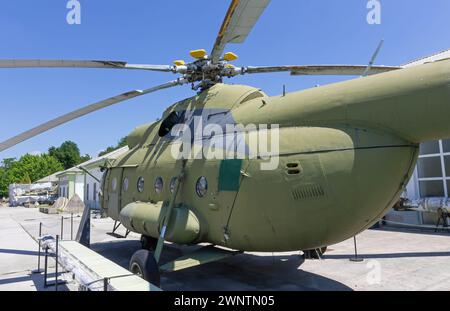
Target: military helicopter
346,152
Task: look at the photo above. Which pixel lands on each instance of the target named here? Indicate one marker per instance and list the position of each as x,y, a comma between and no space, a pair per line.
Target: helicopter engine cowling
146,218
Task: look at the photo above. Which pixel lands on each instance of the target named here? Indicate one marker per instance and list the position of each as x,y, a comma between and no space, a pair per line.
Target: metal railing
47,254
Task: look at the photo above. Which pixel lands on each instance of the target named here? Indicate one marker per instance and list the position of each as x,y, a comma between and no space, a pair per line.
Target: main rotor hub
205,71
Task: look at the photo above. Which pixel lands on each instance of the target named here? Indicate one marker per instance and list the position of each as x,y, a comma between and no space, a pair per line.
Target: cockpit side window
174,118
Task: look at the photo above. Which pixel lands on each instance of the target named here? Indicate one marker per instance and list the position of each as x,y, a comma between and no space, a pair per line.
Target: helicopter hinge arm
171,205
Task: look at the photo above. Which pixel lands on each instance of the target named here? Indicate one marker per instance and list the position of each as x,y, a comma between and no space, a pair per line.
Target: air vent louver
308,192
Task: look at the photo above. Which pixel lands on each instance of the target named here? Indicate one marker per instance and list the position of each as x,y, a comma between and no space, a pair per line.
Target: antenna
374,57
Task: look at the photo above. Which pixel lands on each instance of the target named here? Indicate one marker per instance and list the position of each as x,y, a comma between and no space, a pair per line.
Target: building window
429,147
87,192
431,188
95,192
429,167
433,169
447,165
446,145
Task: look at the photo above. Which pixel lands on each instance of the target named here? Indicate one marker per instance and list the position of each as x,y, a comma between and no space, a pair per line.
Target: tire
143,263
148,242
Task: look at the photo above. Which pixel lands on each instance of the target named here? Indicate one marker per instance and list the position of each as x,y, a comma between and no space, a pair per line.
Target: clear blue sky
142,31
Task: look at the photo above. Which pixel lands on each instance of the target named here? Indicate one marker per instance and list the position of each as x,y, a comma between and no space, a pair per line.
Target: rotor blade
374,57
83,111
429,59
338,70
240,19
40,63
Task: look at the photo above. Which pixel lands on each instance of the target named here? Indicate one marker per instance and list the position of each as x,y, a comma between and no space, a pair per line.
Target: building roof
101,160
92,163
52,178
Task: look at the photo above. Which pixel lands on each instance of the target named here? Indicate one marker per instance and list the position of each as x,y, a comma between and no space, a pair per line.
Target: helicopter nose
329,186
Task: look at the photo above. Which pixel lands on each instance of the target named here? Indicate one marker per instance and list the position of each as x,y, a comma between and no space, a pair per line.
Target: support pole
39,270
71,226
356,259
56,263
62,227
46,267
105,284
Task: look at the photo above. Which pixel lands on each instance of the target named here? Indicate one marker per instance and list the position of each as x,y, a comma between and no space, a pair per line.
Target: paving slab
18,253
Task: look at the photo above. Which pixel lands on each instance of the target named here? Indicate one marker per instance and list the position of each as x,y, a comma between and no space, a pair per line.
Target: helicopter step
144,263
201,256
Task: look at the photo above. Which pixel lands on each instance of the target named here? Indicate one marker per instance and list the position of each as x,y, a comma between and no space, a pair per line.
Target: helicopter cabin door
113,188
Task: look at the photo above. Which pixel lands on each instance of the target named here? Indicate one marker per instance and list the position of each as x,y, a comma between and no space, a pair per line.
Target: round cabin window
140,184
173,181
114,184
125,184
159,184
202,187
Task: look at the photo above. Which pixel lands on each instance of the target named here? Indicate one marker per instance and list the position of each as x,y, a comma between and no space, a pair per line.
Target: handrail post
62,227
56,263
71,226
105,284
39,270
46,267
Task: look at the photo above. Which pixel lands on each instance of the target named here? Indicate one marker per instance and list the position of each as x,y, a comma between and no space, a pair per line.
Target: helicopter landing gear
148,242
143,264
314,253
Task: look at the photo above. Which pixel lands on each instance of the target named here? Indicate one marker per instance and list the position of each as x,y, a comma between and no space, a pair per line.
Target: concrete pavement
393,260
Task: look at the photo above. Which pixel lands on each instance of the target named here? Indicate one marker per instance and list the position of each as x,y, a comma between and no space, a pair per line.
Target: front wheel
143,264
149,243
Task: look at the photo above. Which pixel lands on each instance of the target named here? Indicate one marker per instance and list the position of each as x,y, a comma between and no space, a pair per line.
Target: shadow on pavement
391,255
18,252
242,272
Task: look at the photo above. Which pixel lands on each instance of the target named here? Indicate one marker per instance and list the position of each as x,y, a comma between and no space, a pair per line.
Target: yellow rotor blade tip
198,53
230,56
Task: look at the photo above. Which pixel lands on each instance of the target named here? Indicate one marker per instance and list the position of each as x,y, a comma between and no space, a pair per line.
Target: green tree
68,154
5,176
85,158
121,143
26,179
27,169
8,162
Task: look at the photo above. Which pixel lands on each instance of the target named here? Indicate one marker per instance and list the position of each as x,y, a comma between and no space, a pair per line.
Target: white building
77,181
432,174
430,181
